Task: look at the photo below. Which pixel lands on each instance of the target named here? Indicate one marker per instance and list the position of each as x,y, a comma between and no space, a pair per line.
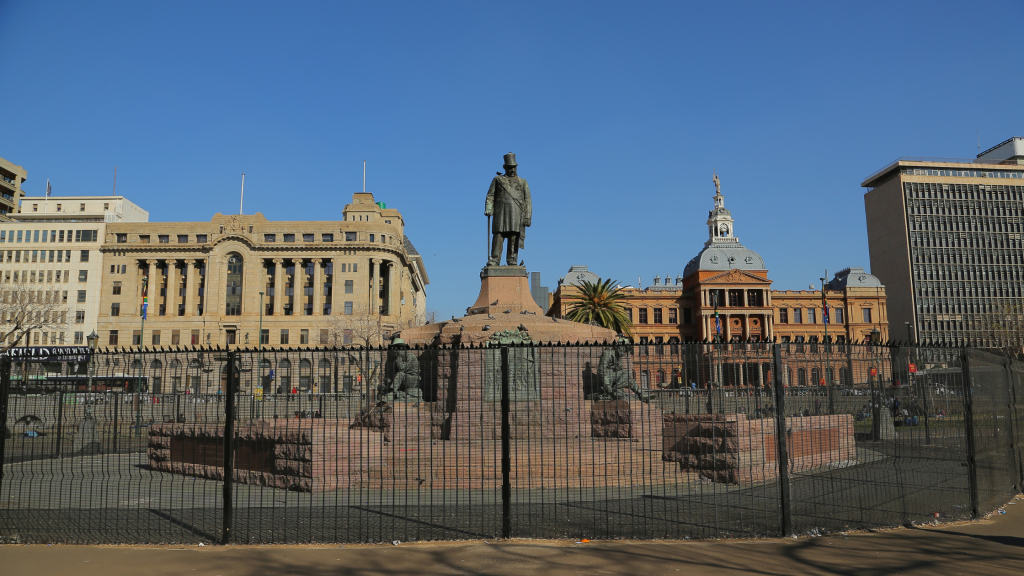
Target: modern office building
945,238
11,178
52,248
243,280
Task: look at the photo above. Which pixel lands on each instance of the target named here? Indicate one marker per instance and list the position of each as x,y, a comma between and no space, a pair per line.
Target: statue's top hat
510,159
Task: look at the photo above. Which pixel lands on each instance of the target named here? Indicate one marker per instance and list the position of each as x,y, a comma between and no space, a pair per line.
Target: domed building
724,294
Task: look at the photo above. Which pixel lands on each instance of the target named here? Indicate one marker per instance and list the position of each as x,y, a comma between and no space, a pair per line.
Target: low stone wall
306,455
730,448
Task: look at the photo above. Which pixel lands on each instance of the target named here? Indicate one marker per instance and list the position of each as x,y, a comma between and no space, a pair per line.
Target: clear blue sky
618,113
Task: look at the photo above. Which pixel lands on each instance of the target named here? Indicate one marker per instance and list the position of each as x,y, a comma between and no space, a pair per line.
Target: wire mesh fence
626,441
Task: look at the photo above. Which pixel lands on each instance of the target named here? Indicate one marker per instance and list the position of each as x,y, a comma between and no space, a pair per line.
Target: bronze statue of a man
508,199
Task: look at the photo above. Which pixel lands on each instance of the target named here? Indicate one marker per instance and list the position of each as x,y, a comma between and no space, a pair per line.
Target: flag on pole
145,298
718,323
48,190
824,307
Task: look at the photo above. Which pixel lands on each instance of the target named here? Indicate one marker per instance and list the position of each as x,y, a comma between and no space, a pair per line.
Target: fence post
972,463
1012,409
229,452
117,411
60,422
506,448
785,503
5,386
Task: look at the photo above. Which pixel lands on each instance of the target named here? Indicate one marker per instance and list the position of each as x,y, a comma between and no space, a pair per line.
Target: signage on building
874,371
913,368
49,353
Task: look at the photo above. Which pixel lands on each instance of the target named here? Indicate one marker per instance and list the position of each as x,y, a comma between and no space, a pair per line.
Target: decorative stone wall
732,449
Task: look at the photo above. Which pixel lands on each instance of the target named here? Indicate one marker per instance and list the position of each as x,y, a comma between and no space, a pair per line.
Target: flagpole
46,202
825,319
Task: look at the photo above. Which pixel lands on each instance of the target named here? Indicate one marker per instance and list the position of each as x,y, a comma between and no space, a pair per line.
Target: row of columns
710,332
172,302
373,297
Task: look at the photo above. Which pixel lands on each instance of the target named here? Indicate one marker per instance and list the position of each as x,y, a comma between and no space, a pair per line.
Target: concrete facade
353,281
61,253
11,178
945,238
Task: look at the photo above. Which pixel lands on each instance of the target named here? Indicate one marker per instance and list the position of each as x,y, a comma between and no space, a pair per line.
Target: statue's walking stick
488,238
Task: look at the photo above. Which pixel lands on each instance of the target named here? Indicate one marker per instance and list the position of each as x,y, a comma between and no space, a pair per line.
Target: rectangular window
270,237
156,337
265,336
35,236
45,232
673,317
83,275
81,295
303,336
35,254
348,308
112,340
289,237
837,315
121,238
371,237
175,337
182,238
326,238
687,316
106,206
136,338
3,235
144,238
798,316
51,255
349,236
324,336
84,257
117,288
629,314
284,336
308,237
346,337
657,316
81,207
201,238
115,309
164,238
783,316
349,286
19,235
80,317
79,337
811,316
194,337
642,319
60,236
867,315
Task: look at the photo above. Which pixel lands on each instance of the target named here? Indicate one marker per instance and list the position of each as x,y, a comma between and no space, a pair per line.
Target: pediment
735,276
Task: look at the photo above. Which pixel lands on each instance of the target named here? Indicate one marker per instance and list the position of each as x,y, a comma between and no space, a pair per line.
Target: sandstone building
733,279
52,247
348,282
945,238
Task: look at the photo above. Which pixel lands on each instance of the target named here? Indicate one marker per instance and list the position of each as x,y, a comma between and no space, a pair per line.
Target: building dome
577,275
723,250
854,277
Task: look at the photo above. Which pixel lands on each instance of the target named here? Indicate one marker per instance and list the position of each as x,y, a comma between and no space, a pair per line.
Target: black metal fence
372,445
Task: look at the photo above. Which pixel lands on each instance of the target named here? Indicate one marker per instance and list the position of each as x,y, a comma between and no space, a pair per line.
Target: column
172,288
374,286
392,301
336,287
746,327
726,328
190,290
152,288
318,288
278,286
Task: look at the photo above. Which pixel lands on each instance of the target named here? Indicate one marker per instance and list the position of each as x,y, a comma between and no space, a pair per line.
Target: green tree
601,303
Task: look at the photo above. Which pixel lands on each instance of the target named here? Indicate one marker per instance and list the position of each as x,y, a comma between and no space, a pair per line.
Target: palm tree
599,302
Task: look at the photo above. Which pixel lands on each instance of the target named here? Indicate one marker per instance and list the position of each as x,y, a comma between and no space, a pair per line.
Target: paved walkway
988,547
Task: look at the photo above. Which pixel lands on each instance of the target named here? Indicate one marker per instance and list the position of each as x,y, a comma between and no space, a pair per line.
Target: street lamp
91,339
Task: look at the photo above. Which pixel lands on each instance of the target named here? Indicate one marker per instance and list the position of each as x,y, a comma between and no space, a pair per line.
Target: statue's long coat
508,199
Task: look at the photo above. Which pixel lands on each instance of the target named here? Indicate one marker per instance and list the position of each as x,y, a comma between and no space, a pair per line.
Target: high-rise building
945,238
11,178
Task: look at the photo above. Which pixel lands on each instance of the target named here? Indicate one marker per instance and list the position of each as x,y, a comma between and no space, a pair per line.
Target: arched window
305,374
156,377
265,381
285,378
174,367
801,377
645,379
844,377
815,376
659,377
194,377
233,293
324,370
